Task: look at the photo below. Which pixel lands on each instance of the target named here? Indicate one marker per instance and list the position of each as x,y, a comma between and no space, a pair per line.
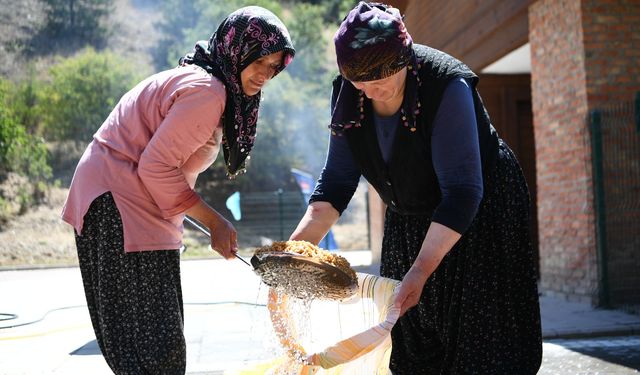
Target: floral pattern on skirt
479,311
134,299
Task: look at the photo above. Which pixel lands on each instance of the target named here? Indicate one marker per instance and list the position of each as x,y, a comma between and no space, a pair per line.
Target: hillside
22,40
39,237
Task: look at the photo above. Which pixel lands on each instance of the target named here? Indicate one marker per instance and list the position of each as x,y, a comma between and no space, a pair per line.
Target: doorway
507,98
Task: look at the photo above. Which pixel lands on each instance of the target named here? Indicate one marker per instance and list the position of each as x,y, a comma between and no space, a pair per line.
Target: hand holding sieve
298,275
204,230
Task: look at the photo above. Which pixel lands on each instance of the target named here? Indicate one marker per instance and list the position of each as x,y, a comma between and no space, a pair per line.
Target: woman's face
259,72
385,89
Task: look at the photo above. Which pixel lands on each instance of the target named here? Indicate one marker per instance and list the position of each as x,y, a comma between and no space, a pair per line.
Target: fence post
281,211
637,111
600,215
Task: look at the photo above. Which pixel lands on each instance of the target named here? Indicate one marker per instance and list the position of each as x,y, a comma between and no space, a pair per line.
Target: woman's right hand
223,235
224,238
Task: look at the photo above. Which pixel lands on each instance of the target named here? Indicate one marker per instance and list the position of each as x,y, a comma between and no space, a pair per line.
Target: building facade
581,56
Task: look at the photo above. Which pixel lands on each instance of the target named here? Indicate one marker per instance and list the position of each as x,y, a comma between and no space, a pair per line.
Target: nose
370,92
367,89
266,72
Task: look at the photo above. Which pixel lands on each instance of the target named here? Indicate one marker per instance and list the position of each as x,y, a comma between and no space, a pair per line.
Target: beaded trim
416,112
403,114
409,120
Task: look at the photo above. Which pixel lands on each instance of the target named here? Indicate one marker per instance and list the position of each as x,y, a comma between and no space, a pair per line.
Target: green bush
23,159
81,93
20,151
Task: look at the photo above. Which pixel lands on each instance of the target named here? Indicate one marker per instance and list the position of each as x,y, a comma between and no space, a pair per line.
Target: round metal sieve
303,276
298,275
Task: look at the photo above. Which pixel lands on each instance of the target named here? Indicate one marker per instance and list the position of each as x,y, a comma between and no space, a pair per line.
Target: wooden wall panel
508,101
477,32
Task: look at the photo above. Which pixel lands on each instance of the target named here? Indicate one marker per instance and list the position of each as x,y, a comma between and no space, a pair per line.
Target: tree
78,19
177,17
306,28
82,92
333,10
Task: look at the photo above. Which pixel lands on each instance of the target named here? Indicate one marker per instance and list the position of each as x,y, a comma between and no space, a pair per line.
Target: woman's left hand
437,243
410,289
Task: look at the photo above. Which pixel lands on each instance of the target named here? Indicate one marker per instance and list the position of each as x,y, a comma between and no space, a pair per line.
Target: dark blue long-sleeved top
455,153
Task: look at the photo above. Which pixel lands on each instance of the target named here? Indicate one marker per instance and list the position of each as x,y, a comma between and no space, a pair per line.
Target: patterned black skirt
479,311
134,299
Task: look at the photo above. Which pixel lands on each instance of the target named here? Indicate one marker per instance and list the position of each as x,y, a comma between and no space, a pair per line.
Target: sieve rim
294,261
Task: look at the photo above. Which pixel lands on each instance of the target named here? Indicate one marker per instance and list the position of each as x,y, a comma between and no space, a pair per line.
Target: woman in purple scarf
409,119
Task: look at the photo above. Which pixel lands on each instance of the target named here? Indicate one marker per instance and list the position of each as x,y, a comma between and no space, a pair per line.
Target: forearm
223,234
316,222
437,243
205,214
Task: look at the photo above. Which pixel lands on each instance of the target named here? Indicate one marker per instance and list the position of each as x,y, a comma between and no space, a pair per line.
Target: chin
381,98
250,92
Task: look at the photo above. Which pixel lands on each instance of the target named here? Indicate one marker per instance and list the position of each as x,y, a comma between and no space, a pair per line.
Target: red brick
584,55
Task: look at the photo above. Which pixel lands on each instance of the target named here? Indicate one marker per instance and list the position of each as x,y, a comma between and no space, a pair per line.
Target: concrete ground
45,328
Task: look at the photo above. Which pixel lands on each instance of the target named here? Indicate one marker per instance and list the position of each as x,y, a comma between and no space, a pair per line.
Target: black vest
408,184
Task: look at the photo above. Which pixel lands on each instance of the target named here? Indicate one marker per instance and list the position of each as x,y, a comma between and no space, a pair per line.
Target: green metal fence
615,135
269,215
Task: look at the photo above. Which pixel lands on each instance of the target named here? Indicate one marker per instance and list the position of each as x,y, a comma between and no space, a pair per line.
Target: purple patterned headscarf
372,43
243,37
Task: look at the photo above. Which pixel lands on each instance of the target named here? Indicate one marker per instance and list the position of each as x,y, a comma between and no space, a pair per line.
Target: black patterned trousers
479,310
134,299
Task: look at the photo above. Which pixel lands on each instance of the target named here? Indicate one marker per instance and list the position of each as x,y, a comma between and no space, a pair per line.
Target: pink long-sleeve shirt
148,154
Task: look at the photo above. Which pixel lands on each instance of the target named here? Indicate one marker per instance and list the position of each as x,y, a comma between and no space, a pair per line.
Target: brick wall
612,64
560,107
612,50
584,55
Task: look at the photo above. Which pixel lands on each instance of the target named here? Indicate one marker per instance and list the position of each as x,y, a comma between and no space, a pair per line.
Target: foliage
20,153
23,161
306,30
24,102
82,92
177,17
333,10
78,19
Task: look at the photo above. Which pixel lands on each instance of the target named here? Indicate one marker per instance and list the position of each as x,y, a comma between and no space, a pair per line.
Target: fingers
224,241
226,249
411,301
233,244
406,299
400,298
